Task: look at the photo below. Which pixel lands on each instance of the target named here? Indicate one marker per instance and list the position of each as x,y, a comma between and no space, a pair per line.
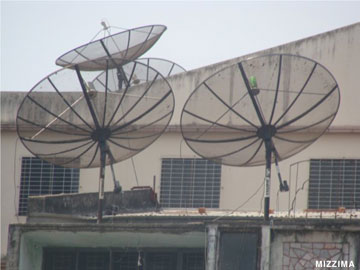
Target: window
238,250
161,261
39,177
334,183
190,183
193,261
111,259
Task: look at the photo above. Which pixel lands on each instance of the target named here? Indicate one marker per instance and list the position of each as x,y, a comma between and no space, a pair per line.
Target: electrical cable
241,205
15,187
297,191
133,164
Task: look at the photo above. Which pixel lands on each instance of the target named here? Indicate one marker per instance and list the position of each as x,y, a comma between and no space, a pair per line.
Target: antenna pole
101,180
267,178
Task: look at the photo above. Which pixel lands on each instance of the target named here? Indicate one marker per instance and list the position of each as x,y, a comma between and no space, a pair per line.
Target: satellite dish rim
161,59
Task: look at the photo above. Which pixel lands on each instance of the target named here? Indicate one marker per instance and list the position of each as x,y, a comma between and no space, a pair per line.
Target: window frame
216,191
178,253
320,185
36,174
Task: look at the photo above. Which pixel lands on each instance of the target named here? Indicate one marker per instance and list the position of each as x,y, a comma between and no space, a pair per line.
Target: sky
199,33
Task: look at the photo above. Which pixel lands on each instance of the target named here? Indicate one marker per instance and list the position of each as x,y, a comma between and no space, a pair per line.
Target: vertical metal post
154,183
267,179
265,247
101,180
211,247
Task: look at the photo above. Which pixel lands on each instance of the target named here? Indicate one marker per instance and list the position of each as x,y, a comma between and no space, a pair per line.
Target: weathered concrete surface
27,240
10,102
314,243
86,204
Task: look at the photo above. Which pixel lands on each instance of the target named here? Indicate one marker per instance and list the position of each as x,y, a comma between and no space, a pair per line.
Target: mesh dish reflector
56,122
289,98
121,47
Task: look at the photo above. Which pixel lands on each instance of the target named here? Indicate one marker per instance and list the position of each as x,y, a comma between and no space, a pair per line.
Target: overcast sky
34,34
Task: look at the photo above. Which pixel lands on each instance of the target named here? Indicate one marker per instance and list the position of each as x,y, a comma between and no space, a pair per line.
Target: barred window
161,261
111,259
190,183
193,261
239,250
334,183
39,177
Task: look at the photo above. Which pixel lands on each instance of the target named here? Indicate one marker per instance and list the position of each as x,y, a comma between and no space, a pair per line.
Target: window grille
94,260
161,261
39,177
113,259
239,251
190,183
61,260
334,183
125,261
193,261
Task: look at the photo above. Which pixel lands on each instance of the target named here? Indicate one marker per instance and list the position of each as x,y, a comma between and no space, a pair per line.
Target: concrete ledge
86,204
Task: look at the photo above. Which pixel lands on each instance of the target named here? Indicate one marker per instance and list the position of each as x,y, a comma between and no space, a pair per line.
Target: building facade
324,176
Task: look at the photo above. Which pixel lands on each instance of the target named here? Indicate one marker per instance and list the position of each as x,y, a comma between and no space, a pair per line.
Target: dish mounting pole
102,145
268,149
264,132
100,134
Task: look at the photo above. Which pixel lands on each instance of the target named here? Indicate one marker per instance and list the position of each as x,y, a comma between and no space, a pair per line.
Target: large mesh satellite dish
123,47
100,108
93,117
129,119
260,110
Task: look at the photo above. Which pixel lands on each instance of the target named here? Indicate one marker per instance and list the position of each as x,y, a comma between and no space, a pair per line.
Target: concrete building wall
338,50
289,246
300,250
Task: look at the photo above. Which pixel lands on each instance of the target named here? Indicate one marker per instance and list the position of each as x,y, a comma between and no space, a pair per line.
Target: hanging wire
241,205
134,168
15,187
296,192
291,206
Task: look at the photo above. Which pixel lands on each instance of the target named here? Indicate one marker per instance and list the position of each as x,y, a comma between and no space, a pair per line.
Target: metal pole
265,247
267,179
211,247
101,181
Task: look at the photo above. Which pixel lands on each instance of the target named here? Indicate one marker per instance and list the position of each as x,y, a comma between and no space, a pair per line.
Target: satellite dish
167,68
68,134
121,47
88,122
260,110
141,75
